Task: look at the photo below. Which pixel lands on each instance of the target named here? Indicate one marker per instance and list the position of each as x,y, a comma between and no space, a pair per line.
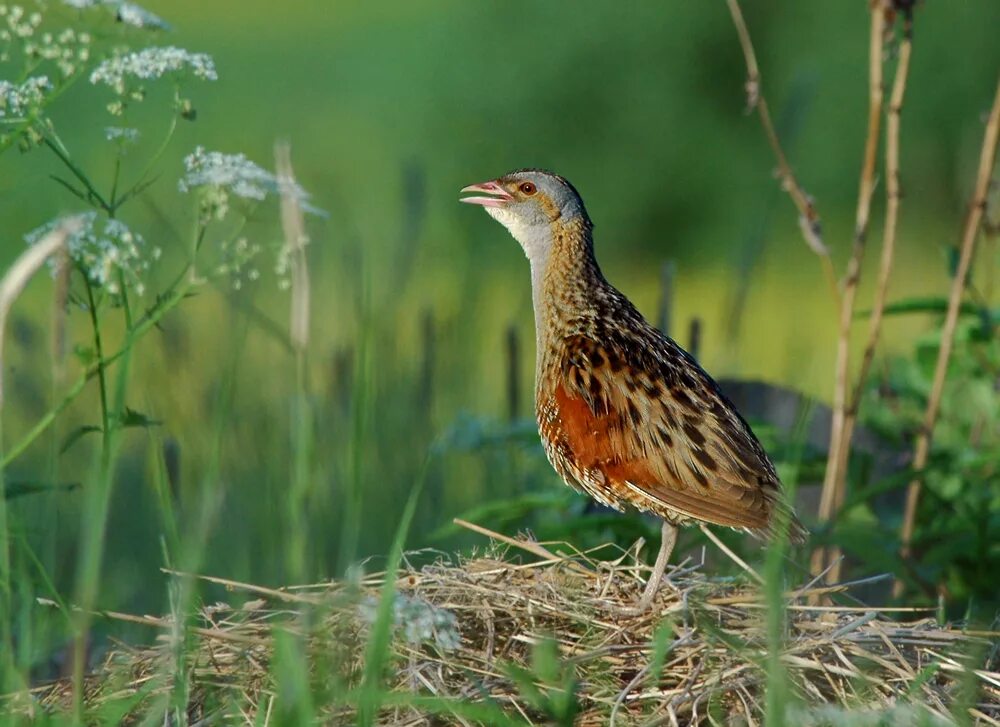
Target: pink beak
500,195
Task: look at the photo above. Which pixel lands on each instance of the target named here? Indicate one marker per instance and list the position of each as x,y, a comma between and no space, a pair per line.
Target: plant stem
99,353
829,496
809,221
60,152
893,196
977,208
181,289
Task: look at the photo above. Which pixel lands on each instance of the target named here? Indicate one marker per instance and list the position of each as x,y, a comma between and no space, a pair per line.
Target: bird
624,413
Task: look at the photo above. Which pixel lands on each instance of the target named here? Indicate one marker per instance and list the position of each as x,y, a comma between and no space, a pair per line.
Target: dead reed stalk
26,265
893,198
830,494
809,221
977,208
296,240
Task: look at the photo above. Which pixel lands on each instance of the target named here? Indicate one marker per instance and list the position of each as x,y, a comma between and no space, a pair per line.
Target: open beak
498,195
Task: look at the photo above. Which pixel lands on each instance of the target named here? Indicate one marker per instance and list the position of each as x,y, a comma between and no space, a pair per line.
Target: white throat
536,241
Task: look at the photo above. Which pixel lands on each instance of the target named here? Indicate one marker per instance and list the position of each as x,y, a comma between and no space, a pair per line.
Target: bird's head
531,204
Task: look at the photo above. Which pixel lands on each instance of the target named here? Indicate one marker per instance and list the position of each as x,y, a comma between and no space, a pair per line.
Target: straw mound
709,666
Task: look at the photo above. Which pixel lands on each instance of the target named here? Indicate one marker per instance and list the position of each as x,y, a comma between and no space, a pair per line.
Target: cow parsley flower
220,175
121,135
107,251
16,23
125,72
18,99
420,621
127,12
66,50
138,17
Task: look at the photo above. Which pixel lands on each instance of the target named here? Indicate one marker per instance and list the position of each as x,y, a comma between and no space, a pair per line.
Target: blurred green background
391,108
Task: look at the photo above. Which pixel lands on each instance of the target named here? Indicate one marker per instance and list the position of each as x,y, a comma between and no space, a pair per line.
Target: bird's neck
564,276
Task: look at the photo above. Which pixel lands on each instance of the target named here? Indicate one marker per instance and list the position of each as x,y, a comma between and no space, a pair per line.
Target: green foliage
549,686
958,524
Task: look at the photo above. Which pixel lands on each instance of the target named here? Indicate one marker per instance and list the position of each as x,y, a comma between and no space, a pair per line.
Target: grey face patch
560,192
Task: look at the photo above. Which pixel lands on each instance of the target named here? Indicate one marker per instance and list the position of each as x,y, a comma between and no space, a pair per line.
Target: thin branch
977,208
893,196
809,221
828,498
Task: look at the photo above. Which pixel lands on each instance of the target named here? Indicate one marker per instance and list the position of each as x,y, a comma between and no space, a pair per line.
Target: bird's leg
668,540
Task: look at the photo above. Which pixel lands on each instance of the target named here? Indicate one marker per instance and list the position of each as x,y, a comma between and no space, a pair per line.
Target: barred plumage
624,413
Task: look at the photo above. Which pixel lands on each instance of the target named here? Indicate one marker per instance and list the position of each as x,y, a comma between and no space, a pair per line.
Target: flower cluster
421,622
126,12
121,135
220,175
16,23
124,72
18,99
67,50
21,32
106,250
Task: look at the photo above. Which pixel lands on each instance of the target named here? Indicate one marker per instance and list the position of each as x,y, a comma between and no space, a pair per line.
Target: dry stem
977,207
830,496
809,221
893,196
502,608
295,246
24,267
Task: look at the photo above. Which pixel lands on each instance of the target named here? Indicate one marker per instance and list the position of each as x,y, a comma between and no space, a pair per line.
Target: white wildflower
421,621
107,251
139,17
66,50
127,12
152,63
222,174
17,24
121,134
18,99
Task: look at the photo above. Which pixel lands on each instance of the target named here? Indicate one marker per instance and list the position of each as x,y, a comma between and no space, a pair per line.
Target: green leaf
377,652
85,354
76,435
662,640
133,418
929,304
20,488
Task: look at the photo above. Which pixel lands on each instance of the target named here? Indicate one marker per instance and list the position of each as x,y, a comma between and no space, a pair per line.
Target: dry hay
712,659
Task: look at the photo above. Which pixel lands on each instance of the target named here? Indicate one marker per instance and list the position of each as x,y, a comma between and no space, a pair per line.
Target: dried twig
295,247
501,613
893,196
809,221
977,207
829,496
26,265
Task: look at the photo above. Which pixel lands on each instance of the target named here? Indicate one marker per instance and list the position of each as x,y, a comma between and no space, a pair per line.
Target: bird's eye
528,188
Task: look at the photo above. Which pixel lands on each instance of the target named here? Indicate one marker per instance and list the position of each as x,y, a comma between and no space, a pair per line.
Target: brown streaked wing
679,449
